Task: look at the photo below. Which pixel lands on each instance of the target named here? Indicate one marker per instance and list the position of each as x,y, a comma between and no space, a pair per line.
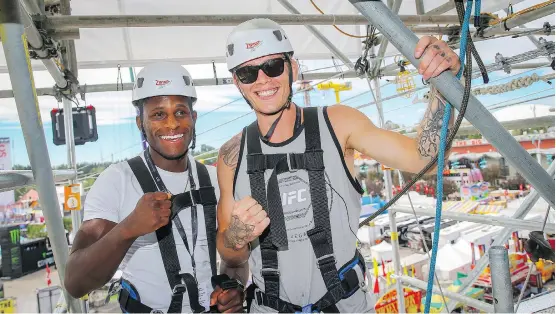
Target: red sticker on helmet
253,45
162,83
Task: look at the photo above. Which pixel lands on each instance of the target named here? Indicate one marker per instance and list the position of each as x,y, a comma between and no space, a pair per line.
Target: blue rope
441,147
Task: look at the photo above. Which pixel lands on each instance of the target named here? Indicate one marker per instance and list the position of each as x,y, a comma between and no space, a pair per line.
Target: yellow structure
404,80
336,87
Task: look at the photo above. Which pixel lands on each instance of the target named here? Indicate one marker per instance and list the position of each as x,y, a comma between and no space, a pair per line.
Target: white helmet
254,39
163,79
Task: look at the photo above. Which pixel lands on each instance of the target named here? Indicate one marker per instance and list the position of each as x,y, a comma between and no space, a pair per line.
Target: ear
194,115
138,122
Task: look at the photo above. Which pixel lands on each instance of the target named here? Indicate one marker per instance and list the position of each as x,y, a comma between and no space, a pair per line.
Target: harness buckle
290,164
270,272
326,260
179,289
308,309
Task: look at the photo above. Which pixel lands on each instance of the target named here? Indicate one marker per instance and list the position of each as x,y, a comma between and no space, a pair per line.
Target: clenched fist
151,212
248,221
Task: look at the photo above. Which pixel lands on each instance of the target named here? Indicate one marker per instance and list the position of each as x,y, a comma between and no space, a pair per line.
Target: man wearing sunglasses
289,200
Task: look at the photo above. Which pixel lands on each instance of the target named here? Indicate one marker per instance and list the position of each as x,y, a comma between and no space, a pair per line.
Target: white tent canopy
136,46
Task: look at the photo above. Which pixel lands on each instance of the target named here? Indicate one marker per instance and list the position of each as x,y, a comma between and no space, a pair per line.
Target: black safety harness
341,283
179,283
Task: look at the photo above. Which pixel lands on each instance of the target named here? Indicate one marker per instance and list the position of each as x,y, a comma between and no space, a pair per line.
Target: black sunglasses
272,68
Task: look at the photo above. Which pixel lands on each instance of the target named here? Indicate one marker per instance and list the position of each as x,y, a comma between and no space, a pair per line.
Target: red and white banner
6,164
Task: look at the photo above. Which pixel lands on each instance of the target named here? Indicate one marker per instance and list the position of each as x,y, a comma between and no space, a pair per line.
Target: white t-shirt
114,196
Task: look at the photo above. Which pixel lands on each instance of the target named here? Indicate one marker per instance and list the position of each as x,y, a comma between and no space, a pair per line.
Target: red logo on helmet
253,45
162,83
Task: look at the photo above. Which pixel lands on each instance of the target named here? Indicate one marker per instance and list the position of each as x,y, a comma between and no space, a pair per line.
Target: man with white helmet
154,216
289,201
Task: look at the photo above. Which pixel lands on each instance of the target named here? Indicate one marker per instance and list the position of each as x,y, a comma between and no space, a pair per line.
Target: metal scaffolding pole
483,306
56,23
502,294
442,8
502,237
36,42
532,38
405,41
17,58
502,221
340,55
520,19
420,7
391,214
384,42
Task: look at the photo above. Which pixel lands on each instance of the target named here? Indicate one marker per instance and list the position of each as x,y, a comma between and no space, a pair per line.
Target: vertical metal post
391,213
21,77
72,162
502,295
405,41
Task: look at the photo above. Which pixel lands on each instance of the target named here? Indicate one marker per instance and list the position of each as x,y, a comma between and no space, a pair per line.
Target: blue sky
119,137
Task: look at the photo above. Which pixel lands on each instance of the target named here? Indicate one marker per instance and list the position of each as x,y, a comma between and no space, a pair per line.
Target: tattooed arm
428,132
355,130
239,222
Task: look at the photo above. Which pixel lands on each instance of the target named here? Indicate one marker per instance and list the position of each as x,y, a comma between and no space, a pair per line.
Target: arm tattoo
429,135
230,151
238,233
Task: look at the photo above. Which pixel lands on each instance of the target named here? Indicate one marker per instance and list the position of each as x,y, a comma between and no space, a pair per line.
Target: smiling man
289,201
154,216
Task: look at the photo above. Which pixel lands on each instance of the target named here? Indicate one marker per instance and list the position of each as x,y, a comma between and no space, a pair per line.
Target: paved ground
24,290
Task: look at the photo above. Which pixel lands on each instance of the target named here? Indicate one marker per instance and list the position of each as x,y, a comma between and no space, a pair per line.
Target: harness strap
321,235
209,208
269,252
205,196
349,281
164,235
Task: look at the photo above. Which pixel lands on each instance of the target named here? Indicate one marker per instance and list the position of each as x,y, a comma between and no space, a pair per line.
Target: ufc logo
289,197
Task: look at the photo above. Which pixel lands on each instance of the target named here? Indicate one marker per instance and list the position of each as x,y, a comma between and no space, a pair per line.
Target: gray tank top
301,282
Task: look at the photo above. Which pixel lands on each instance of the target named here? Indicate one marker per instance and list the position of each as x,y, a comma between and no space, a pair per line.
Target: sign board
385,167
7,305
72,197
388,303
7,197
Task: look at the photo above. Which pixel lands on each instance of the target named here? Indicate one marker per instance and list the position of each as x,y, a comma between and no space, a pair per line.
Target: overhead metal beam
442,9
451,88
532,38
111,21
520,19
515,224
389,70
36,42
335,51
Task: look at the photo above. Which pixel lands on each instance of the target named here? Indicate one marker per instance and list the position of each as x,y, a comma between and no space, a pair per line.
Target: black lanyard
194,225
273,126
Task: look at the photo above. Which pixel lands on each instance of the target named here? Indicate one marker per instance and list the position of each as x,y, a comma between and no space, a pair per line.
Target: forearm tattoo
229,152
238,233
429,135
